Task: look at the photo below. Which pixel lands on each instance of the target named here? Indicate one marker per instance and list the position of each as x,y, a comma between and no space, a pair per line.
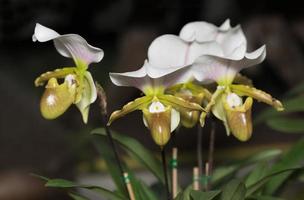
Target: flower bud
238,116
56,98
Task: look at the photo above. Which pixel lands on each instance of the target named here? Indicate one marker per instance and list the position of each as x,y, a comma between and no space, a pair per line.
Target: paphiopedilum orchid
227,101
161,112
78,86
195,39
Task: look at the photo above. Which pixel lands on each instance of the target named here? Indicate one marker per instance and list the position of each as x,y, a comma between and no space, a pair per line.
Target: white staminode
51,99
234,100
156,107
70,79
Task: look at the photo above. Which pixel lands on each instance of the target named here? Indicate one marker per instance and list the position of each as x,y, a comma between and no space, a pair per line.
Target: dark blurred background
123,29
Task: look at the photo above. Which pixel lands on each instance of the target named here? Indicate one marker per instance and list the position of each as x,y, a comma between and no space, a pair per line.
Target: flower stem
164,161
199,149
104,117
211,151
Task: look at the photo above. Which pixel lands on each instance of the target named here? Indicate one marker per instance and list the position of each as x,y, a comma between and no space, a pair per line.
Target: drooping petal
223,70
58,73
57,98
70,45
171,51
88,96
179,103
137,104
239,119
245,90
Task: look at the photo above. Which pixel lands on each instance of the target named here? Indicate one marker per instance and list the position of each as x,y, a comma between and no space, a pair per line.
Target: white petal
150,76
171,51
233,43
89,96
69,45
212,68
225,26
175,119
43,34
167,51
199,31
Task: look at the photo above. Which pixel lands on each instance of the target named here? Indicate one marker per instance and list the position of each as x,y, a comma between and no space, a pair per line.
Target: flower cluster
178,67
175,79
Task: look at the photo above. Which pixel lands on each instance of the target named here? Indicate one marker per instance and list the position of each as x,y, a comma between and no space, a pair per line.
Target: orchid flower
78,86
161,112
183,50
226,102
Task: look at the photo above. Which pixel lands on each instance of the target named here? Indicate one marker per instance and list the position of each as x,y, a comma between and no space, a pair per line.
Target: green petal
244,90
88,96
216,96
57,73
56,98
243,80
137,104
178,103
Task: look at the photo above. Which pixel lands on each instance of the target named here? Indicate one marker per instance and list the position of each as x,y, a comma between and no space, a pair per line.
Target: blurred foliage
271,170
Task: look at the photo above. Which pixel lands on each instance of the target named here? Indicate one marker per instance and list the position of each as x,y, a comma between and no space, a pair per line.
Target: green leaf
106,152
293,158
223,172
137,151
256,197
143,191
259,184
286,125
296,90
184,195
257,173
61,183
65,184
234,190
77,196
198,195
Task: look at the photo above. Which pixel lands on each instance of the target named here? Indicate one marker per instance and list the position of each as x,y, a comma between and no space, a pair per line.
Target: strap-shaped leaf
262,182
208,195
244,90
62,183
57,73
179,103
286,125
137,104
234,190
137,151
77,196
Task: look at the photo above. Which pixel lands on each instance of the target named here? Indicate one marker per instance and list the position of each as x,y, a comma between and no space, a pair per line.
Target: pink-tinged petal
233,43
199,31
70,45
150,76
171,51
223,70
